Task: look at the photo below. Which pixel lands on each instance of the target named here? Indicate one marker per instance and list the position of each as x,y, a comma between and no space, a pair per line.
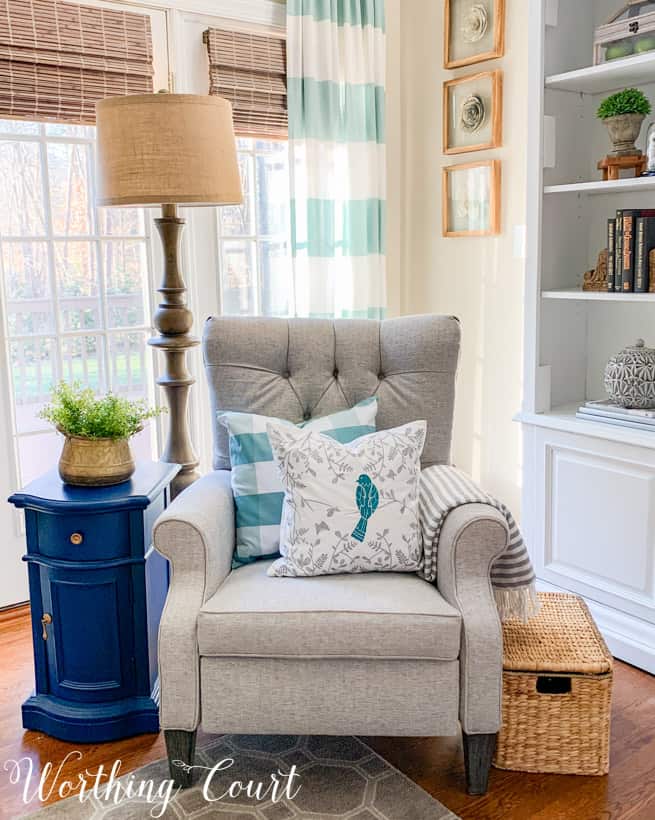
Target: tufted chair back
297,369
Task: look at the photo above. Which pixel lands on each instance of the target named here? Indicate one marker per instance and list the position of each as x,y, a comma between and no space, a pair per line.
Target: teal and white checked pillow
256,484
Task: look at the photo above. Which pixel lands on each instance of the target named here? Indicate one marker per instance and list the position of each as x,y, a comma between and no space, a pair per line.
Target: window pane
21,192
27,288
69,188
276,279
62,289
126,276
239,279
121,221
35,451
18,127
33,373
272,194
245,143
77,285
143,444
82,361
237,220
128,354
60,129
272,146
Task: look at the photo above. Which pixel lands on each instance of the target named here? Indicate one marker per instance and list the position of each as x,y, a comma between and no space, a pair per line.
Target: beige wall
480,280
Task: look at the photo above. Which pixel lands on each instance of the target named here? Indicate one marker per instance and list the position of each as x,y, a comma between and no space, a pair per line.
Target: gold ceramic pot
95,462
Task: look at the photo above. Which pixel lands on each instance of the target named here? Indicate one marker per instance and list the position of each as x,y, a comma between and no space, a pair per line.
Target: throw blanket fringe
517,604
444,488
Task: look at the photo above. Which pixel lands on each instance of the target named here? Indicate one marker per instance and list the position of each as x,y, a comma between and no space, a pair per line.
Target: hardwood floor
627,793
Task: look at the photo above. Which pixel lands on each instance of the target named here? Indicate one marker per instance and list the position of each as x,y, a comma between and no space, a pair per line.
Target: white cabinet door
594,531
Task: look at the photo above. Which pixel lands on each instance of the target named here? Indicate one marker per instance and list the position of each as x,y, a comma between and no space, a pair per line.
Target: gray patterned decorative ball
630,377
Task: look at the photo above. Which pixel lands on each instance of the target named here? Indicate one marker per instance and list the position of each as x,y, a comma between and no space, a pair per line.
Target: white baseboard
628,638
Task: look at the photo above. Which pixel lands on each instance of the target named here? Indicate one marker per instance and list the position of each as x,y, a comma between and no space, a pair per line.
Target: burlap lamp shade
166,148
169,150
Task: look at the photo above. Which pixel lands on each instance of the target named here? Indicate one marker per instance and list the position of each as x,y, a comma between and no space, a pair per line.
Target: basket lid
561,638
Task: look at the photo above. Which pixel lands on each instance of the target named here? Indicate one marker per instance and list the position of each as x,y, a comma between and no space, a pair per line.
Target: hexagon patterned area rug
241,777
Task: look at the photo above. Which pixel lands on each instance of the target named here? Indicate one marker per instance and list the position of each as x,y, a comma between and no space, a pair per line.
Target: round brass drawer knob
77,538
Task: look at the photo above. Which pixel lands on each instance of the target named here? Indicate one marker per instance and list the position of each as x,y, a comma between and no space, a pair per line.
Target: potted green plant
97,431
623,113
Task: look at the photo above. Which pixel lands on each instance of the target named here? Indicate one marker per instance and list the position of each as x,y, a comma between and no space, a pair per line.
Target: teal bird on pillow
367,499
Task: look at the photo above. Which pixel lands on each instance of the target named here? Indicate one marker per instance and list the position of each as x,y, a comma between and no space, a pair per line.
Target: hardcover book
645,243
608,413
628,251
611,247
606,406
618,251
628,245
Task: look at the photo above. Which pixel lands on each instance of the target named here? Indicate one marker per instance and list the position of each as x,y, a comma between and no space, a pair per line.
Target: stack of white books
609,413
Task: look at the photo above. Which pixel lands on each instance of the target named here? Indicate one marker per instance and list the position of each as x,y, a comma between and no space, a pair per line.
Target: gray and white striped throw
443,488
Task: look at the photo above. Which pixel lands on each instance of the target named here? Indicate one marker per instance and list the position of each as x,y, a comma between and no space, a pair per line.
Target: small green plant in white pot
623,113
97,432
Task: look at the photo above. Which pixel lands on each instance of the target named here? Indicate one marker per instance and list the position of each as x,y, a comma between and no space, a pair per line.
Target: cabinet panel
90,642
600,516
596,520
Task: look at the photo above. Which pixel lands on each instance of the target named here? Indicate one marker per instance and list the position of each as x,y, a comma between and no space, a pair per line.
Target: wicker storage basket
557,686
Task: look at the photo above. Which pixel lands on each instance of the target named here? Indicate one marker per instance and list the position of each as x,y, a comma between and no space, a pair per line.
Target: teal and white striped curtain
335,73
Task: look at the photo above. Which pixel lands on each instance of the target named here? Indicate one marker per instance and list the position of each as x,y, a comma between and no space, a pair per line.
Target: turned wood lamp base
174,320
161,148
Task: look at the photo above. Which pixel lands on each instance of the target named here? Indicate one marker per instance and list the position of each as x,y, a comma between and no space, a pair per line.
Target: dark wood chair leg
478,754
181,749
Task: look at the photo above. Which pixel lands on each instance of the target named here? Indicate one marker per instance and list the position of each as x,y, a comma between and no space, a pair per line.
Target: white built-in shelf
577,295
599,79
563,418
598,187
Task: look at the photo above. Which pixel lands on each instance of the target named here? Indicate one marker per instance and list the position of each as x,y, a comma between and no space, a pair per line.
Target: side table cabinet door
89,641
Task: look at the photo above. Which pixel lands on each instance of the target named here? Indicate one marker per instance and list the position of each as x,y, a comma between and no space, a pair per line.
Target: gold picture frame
471,204
481,25
467,99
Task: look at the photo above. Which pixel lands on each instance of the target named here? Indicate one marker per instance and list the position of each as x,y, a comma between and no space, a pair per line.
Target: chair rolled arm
201,519
471,539
197,535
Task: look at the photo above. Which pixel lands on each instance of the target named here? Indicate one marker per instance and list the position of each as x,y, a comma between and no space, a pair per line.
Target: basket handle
551,685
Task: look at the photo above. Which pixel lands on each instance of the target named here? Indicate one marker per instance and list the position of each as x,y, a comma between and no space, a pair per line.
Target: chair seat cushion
371,615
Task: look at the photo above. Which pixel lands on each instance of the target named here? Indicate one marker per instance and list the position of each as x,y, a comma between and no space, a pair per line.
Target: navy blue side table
97,589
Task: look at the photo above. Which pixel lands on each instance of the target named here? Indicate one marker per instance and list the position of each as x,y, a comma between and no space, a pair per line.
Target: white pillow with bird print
348,507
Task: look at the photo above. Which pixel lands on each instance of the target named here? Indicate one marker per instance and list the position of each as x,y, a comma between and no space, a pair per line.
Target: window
75,283
254,249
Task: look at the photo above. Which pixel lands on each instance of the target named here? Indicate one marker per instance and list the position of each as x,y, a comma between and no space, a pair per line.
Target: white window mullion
100,267
58,368
7,406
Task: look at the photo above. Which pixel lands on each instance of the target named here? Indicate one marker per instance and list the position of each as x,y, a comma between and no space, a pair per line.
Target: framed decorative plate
473,113
474,31
471,199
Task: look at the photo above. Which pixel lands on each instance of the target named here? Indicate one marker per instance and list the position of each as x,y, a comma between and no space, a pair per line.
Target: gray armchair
371,654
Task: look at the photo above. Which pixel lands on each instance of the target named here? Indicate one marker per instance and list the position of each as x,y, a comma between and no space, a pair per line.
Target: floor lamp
169,150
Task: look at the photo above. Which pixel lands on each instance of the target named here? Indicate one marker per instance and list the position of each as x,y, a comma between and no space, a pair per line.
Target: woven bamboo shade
58,59
250,71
